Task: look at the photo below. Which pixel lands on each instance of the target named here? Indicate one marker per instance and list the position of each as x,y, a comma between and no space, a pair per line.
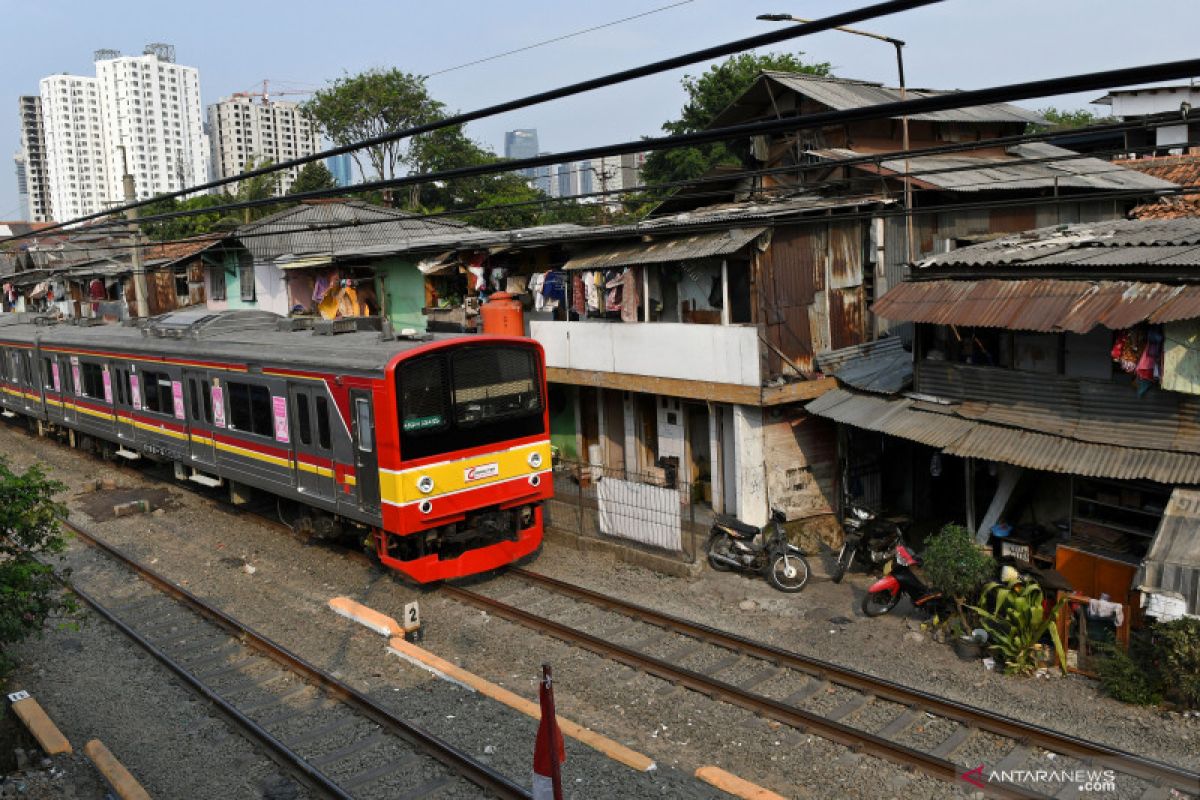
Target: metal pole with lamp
899,45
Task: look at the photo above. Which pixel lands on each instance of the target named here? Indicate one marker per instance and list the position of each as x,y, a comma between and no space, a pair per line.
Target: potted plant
956,566
1017,622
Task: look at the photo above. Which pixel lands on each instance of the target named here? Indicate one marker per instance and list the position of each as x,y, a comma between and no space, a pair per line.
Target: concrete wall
719,353
801,457
750,461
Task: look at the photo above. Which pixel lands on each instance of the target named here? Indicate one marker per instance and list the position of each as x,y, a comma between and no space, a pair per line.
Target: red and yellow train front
467,467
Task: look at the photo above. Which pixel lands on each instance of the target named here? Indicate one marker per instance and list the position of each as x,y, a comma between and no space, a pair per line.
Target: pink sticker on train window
218,405
135,391
75,377
107,386
177,396
54,373
279,407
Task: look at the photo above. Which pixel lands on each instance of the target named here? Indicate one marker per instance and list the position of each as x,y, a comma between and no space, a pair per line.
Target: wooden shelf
1117,526
1119,507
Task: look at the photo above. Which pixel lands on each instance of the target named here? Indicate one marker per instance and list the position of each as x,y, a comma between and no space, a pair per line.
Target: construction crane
265,94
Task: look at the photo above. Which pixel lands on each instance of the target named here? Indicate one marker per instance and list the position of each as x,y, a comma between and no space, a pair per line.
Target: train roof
239,336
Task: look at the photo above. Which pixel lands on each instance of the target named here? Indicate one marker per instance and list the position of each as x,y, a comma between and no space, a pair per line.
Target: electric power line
611,79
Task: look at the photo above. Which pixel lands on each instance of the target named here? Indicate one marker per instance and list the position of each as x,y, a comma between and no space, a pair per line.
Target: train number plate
481,471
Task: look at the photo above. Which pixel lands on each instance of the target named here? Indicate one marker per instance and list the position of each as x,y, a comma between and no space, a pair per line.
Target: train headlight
535,459
425,484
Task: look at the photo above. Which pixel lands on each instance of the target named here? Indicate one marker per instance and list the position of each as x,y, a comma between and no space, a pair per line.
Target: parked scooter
732,546
900,579
869,541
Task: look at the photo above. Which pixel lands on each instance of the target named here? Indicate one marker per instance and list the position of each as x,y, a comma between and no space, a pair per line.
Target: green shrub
1130,677
1176,654
1017,622
955,565
29,532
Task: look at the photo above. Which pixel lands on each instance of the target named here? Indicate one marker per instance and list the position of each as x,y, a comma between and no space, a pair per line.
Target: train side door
68,370
366,462
311,438
197,388
125,403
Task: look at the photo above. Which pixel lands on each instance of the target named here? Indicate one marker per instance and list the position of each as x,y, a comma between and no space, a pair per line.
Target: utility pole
140,291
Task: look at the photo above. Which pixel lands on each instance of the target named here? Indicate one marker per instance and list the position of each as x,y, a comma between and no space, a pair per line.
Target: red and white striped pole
549,753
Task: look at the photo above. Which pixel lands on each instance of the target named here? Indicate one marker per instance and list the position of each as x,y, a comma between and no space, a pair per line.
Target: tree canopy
708,94
1068,119
370,104
313,177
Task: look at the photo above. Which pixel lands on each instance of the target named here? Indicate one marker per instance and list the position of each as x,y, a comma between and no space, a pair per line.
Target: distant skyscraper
585,177
568,182
32,166
522,143
543,178
341,168
242,131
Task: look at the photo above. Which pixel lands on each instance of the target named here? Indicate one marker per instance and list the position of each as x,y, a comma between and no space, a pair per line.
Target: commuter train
434,448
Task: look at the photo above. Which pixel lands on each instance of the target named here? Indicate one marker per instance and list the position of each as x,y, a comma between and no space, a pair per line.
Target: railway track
331,738
868,714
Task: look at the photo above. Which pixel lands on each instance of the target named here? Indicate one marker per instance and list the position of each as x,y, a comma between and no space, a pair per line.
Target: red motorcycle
898,579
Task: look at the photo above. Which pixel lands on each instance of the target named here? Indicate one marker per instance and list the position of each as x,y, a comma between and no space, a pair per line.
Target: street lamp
899,45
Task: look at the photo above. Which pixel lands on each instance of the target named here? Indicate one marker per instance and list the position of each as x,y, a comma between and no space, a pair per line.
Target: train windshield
468,397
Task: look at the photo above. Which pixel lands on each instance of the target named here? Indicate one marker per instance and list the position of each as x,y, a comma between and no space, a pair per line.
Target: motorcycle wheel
841,565
777,572
718,543
876,604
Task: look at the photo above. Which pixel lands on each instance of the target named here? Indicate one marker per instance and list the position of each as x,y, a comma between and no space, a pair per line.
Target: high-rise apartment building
244,132
151,107
543,178
567,179
32,180
76,148
139,113
522,143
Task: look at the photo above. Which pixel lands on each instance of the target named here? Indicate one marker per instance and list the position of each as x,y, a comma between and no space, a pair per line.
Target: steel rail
447,754
973,716
859,741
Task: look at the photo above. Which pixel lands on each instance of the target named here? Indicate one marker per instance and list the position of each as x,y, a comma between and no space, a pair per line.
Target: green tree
708,95
259,187
1067,119
184,227
29,535
313,177
370,104
955,565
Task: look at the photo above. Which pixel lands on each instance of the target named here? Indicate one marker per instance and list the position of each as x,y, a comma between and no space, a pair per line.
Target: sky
303,44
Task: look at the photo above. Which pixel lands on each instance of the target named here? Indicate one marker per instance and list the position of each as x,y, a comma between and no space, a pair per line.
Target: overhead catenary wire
611,79
555,39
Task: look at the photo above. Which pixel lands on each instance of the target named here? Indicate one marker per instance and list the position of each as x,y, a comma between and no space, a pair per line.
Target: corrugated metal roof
1018,171
288,233
1139,242
1040,304
977,439
662,251
880,366
1173,563
840,94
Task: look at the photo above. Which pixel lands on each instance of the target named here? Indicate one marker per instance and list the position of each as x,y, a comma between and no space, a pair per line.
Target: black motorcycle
870,542
732,546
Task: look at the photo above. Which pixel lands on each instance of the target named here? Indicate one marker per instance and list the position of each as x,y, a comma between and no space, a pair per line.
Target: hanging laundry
626,284
536,282
593,281
321,285
578,294
516,284
96,289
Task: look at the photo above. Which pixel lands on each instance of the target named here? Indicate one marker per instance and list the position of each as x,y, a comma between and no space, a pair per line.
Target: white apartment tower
244,132
151,107
31,160
76,166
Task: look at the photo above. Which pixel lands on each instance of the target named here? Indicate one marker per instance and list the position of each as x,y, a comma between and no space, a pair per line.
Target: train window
423,395
92,377
121,396
323,437
250,409
27,364
48,375
366,432
494,383
303,423
207,397
157,388
194,396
